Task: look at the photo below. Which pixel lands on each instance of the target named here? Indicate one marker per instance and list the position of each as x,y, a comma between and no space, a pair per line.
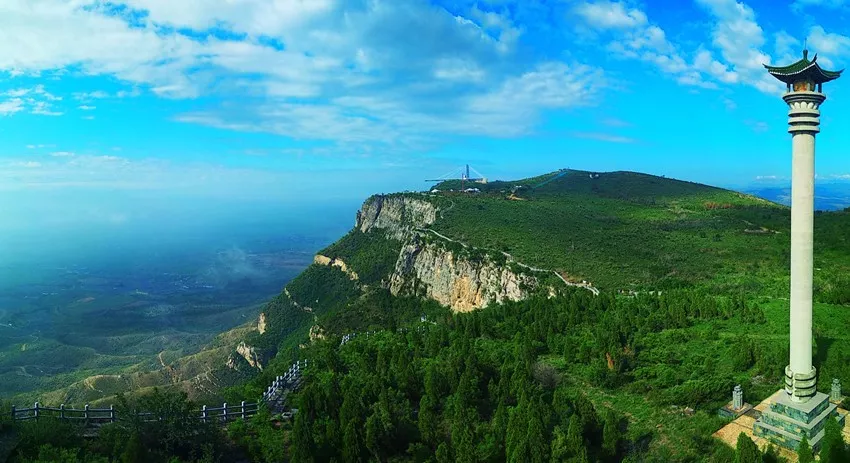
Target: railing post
111,413
243,409
14,413
204,414
86,413
61,411
224,412
35,410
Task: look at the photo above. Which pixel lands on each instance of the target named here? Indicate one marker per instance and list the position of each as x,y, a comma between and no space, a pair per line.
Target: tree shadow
823,345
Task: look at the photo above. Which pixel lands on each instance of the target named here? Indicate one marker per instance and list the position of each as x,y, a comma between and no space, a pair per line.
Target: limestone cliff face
261,323
455,281
335,262
396,214
250,355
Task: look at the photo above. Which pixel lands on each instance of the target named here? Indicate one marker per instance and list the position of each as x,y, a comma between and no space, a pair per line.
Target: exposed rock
261,323
456,281
231,363
335,262
316,333
250,355
396,214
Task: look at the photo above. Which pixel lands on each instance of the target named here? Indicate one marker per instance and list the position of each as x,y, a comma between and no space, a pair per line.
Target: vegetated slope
625,230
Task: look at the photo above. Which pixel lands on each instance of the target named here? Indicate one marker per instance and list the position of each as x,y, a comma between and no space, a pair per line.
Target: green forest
566,377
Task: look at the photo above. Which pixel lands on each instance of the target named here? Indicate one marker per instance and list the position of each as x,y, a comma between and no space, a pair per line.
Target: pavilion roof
803,69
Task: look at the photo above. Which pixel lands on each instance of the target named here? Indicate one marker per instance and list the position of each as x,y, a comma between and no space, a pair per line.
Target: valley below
81,333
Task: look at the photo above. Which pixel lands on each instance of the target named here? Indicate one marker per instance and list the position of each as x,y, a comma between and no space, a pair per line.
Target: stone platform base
785,422
728,412
744,423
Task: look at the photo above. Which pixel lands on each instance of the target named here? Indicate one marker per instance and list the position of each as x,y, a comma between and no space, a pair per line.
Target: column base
801,387
785,422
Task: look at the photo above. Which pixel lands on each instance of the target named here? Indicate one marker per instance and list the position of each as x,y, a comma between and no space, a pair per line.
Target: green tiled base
786,422
730,413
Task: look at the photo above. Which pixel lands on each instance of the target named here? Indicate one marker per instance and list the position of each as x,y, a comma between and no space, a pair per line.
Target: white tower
799,409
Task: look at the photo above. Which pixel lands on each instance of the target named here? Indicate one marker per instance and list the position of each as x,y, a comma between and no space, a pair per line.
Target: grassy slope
626,230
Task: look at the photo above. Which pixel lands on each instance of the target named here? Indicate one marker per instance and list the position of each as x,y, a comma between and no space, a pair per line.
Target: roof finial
805,50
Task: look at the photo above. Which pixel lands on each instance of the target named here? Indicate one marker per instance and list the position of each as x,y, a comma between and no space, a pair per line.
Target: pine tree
535,437
134,451
804,451
575,437
463,435
303,445
610,433
833,449
560,445
428,420
443,454
746,451
352,443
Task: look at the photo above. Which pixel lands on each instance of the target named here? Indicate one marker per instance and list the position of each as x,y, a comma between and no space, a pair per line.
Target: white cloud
739,38
26,164
95,95
351,71
43,108
36,99
11,106
86,108
706,63
62,154
786,45
510,109
635,38
832,44
610,15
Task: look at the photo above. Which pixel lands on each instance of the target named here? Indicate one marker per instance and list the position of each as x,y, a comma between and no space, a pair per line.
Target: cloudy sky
324,99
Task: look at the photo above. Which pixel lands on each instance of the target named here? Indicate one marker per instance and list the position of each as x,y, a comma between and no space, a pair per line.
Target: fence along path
276,394
274,397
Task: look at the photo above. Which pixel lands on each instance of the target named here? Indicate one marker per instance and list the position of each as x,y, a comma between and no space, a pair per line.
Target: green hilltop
633,231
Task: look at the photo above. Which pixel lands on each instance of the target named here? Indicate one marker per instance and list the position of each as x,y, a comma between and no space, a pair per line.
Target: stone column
803,120
737,398
835,393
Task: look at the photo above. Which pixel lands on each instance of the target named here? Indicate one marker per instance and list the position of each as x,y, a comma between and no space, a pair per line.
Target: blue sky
299,101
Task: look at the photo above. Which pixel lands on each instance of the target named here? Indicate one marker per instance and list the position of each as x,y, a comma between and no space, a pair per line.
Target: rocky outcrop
316,333
250,355
335,262
398,215
261,323
454,280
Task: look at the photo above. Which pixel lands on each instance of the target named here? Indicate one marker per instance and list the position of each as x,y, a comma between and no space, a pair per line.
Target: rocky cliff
396,214
335,262
455,280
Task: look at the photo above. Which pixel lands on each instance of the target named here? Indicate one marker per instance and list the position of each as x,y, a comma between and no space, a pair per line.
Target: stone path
276,394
